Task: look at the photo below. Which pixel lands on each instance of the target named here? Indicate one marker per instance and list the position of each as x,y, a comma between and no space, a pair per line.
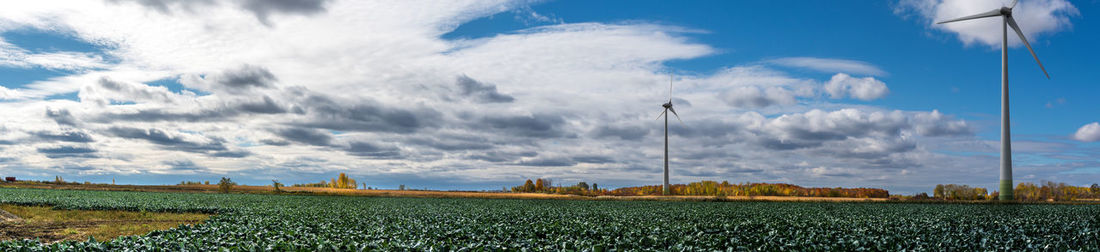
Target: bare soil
49,232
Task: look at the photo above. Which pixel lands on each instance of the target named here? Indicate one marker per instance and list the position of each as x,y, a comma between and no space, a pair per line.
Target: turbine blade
662,114
992,13
1013,4
670,88
1012,22
677,115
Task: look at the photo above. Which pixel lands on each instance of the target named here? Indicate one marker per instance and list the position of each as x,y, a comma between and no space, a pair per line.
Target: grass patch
50,225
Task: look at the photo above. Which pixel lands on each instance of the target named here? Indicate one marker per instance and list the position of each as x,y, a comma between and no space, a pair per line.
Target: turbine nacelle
1006,13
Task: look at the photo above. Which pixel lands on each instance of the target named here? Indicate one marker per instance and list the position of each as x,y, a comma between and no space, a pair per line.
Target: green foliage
225,185
1054,191
960,192
254,222
712,188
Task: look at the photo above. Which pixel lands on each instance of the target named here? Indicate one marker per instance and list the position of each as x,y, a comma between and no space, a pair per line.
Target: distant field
311,223
407,193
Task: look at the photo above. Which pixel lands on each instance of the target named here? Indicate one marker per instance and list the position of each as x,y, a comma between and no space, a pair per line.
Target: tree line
340,182
547,186
702,188
725,188
1044,191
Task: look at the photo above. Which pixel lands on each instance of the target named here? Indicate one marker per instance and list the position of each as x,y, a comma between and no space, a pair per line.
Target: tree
401,187
1095,188
583,185
595,187
938,192
225,185
540,185
276,184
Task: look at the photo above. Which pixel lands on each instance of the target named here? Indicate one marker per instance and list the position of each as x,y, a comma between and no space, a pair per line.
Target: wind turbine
1006,140
668,108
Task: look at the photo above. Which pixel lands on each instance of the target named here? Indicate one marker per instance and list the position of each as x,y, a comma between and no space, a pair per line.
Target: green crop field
334,223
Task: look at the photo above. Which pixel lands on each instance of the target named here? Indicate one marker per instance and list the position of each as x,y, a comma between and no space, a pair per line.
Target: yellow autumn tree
343,182
539,185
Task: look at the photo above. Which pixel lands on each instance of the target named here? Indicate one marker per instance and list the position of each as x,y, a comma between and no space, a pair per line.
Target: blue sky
483,94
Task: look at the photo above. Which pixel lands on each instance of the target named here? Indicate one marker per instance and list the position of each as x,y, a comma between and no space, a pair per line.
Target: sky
483,94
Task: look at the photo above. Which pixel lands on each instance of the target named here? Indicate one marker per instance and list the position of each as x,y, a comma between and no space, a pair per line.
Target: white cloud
9,94
1034,17
383,96
13,56
830,65
1088,133
867,88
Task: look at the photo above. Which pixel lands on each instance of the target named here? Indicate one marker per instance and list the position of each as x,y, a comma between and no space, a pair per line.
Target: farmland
297,222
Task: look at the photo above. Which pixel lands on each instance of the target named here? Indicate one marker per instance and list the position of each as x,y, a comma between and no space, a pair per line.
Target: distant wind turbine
1006,141
668,108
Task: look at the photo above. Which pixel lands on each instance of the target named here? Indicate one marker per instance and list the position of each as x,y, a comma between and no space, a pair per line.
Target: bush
226,185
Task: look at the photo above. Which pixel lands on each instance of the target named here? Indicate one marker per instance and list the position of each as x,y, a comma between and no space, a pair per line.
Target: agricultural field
340,223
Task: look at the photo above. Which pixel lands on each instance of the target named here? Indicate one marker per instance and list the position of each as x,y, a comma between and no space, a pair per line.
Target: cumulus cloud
1088,133
306,135
538,125
61,116
867,88
183,166
68,136
937,124
9,94
169,141
758,87
375,151
1034,17
106,91
68,152
234,81
830,65
262,9
758,97
480,92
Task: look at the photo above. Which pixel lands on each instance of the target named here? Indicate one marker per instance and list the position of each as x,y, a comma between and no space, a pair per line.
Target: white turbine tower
1006,142
668,108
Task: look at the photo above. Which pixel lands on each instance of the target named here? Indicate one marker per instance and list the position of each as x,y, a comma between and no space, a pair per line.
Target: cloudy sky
482,94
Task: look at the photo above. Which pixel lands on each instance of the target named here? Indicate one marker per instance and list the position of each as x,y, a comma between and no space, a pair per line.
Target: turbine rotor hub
1006,11
667,105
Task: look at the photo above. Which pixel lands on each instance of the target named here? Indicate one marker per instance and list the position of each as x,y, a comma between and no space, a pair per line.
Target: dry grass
49,225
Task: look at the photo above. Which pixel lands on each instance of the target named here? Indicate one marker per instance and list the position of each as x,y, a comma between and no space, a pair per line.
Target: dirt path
48,232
